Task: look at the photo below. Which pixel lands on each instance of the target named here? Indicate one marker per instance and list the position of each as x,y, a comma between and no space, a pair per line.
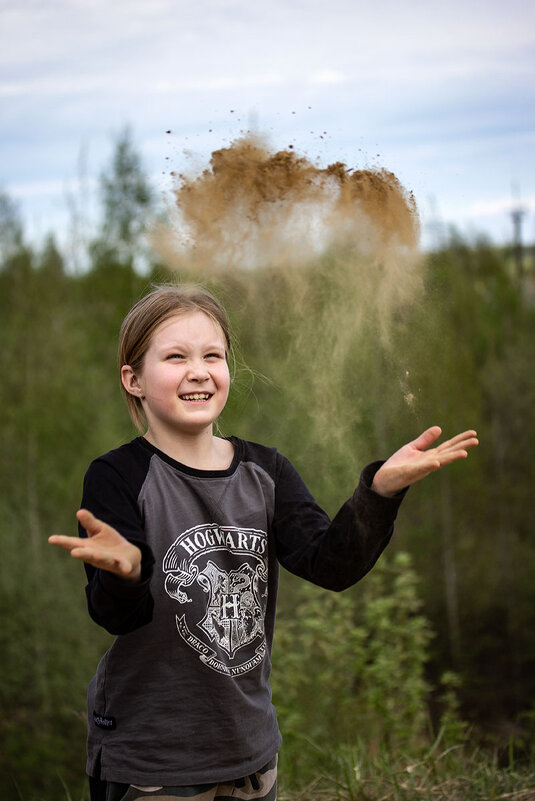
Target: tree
10,228
127,204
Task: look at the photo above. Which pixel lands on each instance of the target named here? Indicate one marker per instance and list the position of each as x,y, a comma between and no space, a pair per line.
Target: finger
459,451
101,560
80,548
458,439
459,447
67,543
88,520
452,456
427,438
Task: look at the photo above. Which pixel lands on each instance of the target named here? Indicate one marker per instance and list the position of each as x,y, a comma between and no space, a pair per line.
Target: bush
351,665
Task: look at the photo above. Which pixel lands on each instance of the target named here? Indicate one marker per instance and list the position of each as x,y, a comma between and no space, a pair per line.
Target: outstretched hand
413,462
104,547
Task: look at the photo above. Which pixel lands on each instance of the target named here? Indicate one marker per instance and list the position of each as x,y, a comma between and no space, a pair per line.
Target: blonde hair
165,301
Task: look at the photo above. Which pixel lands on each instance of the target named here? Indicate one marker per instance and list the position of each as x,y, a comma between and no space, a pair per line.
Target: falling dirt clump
252,207
384,201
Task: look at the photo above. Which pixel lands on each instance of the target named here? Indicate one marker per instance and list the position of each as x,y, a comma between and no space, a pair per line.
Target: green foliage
11,236
127,204
351,665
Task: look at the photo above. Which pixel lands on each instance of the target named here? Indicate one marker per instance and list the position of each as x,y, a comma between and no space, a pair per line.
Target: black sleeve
333,554
115,604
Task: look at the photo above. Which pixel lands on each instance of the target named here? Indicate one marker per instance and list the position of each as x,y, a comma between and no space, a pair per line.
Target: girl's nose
198,371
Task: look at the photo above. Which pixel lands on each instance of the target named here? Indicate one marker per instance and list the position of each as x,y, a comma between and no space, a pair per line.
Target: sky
441,94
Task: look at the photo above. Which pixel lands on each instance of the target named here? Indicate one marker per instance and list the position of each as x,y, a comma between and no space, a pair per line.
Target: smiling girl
182,533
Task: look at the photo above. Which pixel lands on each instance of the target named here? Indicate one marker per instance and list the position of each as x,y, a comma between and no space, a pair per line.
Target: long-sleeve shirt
182,696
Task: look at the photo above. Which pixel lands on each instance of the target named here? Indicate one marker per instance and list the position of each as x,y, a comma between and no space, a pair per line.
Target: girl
182,533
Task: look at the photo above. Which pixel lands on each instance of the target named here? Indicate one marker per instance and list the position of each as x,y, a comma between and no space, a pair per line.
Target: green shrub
350,666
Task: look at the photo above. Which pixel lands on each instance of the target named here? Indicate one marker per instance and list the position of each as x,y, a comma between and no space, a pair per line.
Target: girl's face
184,381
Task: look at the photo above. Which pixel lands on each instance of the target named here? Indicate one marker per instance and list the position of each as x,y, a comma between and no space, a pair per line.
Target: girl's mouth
196,397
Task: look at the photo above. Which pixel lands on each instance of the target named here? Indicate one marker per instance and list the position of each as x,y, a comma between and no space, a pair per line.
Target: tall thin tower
517,216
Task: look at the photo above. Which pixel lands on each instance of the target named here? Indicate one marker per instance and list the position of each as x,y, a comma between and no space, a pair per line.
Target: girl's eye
214,356
175,356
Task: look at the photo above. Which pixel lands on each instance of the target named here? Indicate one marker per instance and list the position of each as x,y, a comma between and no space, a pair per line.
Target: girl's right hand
104,547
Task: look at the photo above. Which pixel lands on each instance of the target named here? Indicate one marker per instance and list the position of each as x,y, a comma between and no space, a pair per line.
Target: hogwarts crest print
218,576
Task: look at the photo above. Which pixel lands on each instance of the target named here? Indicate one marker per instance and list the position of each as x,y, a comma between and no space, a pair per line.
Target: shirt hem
212,776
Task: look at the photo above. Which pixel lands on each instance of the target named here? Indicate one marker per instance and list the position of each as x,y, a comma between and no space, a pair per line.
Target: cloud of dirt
254,208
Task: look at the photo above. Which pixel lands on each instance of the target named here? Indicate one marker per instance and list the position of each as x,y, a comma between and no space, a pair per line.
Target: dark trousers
101,790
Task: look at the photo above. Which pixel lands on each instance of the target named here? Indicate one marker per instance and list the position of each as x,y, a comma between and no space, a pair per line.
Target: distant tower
517,216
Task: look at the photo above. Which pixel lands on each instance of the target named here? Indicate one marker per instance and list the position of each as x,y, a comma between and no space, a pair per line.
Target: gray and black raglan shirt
182,696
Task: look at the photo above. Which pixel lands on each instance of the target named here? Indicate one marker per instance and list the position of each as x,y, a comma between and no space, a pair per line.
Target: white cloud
328,77
219,82
501,205
52,188
72,85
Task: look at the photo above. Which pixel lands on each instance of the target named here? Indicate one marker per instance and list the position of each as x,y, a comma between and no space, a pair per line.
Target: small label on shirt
103,721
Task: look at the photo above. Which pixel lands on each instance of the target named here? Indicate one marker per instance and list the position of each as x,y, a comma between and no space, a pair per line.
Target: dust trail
323,260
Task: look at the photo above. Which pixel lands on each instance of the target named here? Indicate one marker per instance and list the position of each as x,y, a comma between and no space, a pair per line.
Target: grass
451,774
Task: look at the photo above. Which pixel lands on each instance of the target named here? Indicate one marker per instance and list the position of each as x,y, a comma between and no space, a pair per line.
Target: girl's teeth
196,396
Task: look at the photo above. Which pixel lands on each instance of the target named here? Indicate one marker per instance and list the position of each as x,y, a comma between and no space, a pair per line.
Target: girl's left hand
413,462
